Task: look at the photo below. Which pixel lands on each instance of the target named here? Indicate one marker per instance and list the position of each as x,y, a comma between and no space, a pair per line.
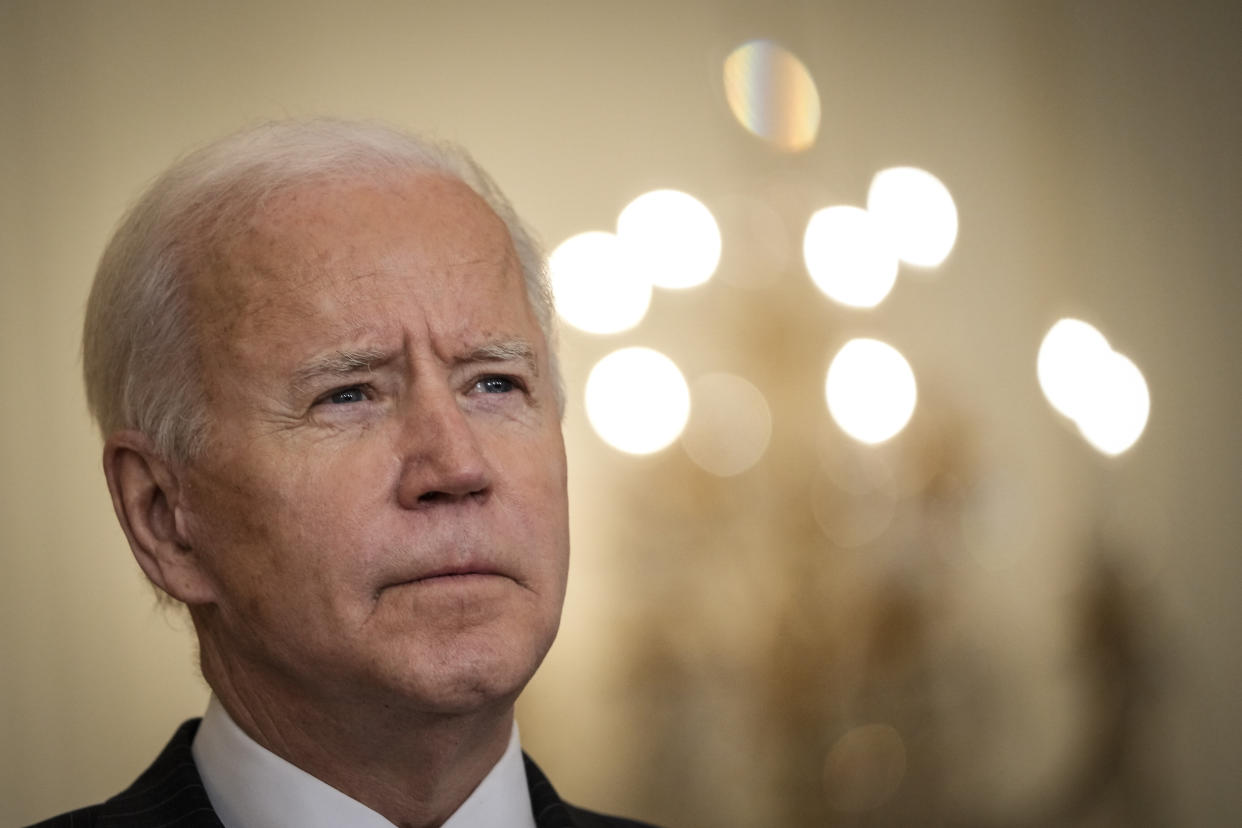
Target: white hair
139,349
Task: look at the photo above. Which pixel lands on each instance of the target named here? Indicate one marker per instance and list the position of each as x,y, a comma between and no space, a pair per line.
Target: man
320,355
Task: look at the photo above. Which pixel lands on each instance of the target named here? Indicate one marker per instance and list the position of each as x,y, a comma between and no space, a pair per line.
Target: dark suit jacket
171,793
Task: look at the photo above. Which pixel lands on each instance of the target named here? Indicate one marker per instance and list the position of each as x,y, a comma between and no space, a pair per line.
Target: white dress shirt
251,787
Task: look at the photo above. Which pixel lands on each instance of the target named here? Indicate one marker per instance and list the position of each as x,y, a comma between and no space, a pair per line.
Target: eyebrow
507,351
340,362
346,361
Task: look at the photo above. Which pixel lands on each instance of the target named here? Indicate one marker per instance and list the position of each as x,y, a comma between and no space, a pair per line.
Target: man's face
381,513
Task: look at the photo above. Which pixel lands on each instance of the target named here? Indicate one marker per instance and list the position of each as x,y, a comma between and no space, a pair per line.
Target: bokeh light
595,288
864,768
848,257
731,425
854,515
870,390
637,400
670,238
772,95
916,212
1101,390
1068,362
1119,407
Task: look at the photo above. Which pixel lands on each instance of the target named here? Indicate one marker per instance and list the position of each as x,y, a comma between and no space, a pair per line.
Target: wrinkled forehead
328,229
350,264
329,238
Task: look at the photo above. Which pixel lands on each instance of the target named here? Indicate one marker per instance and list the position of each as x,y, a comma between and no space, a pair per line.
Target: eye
343,396
495,385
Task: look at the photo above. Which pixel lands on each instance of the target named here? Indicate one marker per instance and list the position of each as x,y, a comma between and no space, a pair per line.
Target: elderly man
320,354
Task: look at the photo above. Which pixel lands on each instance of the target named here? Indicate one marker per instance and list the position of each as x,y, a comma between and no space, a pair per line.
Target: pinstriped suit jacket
170,793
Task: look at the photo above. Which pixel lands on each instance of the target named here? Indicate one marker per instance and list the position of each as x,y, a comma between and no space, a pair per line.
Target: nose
441,459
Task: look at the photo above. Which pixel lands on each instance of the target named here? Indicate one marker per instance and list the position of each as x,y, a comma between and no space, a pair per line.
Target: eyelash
364,391
513,383
361,390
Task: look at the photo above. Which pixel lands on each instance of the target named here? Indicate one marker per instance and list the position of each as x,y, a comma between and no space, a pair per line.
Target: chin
469,675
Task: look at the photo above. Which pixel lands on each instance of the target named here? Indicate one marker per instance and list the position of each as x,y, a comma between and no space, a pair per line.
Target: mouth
456,576
450,575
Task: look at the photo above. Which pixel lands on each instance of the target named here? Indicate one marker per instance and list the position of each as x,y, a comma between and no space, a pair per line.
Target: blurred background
982,572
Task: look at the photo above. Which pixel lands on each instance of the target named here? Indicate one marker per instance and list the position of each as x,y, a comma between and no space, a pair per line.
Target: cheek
543,513
294,528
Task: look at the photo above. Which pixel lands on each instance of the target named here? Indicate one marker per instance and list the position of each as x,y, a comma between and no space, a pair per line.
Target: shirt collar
251,787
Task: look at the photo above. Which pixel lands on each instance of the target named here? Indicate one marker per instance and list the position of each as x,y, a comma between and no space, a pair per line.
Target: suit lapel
550,811
170,792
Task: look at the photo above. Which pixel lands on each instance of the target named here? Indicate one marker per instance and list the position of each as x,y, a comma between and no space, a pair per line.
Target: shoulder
169,792
553,812
583,818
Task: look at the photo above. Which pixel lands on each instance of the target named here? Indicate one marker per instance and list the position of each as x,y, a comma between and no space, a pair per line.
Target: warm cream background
1093,152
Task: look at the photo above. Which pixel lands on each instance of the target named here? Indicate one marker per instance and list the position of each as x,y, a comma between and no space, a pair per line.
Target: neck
412,767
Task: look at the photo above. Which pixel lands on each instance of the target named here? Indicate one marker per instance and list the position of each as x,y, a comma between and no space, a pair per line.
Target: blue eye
495,385
352,394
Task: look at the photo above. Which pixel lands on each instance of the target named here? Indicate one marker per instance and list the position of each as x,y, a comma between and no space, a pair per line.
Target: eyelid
494,375
518,382
366,389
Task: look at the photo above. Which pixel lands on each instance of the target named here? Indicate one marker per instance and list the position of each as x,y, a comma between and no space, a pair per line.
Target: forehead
333,252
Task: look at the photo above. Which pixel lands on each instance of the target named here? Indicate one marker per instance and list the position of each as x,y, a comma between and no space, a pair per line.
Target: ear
147,497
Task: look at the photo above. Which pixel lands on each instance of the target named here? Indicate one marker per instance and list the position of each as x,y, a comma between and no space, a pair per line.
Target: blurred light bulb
870,390
637,400
1068,363
671,238
1101,390
731,425
594,287
847,256
916,212
1119,405
772,94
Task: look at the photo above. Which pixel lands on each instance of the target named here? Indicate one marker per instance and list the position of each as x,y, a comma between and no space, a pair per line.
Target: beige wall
1092,149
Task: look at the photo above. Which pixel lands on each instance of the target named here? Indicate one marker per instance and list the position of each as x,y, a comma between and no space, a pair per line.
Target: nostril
436,496
449,492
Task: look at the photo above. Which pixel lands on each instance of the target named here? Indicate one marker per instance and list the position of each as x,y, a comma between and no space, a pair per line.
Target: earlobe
147,497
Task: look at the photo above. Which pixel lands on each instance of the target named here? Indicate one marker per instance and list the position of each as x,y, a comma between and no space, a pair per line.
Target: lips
455,572
450,571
